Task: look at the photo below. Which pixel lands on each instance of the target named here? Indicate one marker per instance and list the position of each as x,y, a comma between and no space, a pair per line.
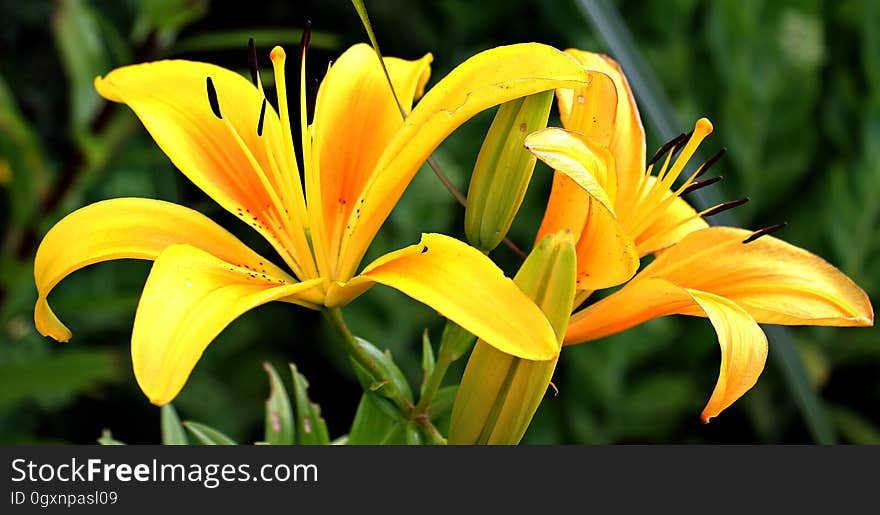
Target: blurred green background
793,88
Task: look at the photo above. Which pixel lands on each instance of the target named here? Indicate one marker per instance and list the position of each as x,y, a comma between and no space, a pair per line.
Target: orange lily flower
622,211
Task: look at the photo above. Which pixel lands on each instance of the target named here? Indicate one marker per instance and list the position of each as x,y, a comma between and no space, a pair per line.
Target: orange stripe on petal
356,116
485,80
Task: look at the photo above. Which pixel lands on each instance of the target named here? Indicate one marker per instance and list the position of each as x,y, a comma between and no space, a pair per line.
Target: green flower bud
499,393
503,169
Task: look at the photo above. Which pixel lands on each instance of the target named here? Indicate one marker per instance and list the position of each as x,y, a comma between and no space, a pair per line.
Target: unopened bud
503,170
500,393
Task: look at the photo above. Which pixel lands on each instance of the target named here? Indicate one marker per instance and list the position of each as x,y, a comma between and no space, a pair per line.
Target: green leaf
172,429
107,438
855,428
208,435
80,42
376,421
392,384
61,373
427,361
311,427
279,425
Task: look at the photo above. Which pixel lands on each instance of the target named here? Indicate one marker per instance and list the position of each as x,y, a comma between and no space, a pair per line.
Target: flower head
624,208
358,155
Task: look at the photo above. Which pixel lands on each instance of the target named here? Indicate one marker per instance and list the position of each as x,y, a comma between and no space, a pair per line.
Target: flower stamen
212,98
762,232
724,206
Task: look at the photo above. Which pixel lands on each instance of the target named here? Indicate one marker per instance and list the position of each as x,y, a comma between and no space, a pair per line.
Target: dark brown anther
694,186
724,206
212,99
252,61
766,230
262,117
306,38
424,249
711,161
665,148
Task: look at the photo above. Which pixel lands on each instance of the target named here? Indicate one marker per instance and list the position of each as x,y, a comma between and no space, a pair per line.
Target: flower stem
454,343
361,357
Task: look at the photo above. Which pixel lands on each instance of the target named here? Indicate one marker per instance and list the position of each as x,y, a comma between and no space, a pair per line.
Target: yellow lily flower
622,211
358,156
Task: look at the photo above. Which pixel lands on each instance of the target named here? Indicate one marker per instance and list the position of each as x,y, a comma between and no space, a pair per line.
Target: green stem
360,356
431,432
434,380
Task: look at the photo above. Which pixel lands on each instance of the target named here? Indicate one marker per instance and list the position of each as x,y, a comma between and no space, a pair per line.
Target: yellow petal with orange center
128,228
189,298
356,116
485,80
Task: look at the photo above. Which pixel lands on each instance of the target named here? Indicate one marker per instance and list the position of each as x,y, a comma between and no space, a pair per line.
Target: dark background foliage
793,88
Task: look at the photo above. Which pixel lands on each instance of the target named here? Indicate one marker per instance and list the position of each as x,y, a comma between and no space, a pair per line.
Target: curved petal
627,142
776,282
356,116
579,201
743,350
743,343
640,300
464,285
189,298
127,228
244,172
485,80
677,220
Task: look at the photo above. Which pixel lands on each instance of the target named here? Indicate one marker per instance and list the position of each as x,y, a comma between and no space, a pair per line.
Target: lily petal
776,282
128,228
743,343
356,116
464,285
627,142
241,170
743,350
189,298
485,80
579,201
